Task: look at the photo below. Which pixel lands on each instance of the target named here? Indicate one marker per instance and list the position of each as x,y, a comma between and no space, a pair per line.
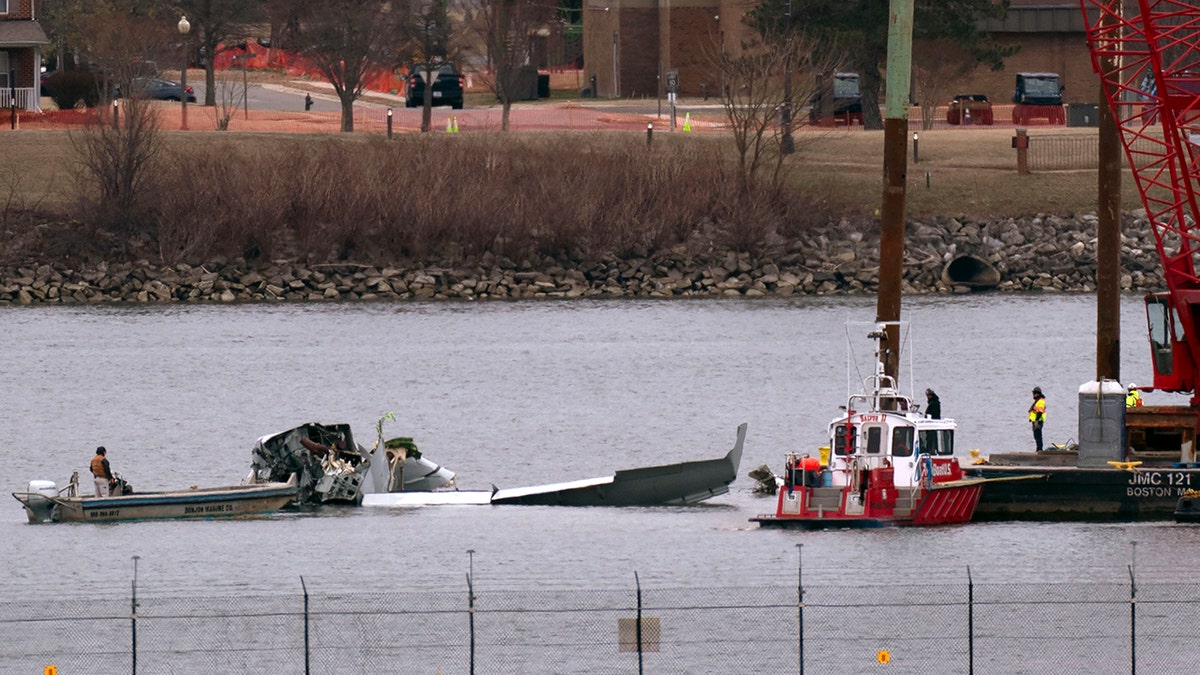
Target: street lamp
787,145
184,28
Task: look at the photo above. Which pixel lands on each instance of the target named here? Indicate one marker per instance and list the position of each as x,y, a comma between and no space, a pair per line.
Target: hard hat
1132,386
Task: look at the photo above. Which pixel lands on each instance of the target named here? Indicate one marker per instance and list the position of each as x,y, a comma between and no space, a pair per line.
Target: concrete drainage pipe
970,271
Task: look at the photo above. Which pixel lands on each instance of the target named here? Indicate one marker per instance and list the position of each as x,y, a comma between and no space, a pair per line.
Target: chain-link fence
915,627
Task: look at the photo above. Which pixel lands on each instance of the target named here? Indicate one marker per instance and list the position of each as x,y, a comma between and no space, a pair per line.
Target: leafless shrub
935,63
764,81
16,206
230,96
118,166
119,149
458,198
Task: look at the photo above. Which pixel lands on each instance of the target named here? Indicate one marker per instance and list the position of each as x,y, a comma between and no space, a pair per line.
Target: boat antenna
853,373
905,340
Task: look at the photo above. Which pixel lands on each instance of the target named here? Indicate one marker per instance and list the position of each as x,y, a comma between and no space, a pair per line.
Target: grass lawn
961,171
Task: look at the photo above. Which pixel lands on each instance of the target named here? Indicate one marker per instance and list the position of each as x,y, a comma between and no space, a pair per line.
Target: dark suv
447,86
836,100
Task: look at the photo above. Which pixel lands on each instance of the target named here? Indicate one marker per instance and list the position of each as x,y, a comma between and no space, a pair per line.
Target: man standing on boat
1037,416
933,405
102,472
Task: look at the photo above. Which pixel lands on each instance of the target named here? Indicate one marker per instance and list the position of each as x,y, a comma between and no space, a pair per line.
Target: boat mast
895,176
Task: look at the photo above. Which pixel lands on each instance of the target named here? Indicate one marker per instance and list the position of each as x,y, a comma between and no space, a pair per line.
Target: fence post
1133,614
800,606
1021,143
471,603
638,582
133,614
306,649
970,623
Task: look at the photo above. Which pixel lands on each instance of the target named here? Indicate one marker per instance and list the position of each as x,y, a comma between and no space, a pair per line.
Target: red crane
1147,53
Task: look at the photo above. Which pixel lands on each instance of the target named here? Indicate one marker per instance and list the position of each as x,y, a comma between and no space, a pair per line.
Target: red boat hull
941,504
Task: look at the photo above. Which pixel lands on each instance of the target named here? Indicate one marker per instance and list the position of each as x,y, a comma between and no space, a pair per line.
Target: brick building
21,40
627,43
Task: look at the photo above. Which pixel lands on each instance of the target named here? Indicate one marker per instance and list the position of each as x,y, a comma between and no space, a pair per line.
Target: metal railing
26,97
1059,152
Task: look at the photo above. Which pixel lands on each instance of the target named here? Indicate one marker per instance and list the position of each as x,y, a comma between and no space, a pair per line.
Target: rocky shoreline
1043,253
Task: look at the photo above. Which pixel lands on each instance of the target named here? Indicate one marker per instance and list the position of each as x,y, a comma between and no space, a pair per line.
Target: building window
3,6
3,67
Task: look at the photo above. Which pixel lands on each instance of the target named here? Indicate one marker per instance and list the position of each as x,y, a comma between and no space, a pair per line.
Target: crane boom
1152,85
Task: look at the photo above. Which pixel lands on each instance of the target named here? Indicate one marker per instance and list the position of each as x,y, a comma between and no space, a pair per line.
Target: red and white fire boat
890,465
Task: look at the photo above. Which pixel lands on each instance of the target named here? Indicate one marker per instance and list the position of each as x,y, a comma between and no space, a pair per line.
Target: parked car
46,75
969,109
159,89
447,86
836,100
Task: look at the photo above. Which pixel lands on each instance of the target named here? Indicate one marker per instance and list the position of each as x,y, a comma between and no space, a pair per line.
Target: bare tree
430,42
118,153
230,97
510,30
214,22
351,41
763,80
936,63
284,18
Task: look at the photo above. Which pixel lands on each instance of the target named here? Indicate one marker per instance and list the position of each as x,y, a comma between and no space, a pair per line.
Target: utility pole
786,145
895,166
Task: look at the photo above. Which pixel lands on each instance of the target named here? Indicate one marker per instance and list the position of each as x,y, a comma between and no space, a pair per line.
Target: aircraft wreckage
332,468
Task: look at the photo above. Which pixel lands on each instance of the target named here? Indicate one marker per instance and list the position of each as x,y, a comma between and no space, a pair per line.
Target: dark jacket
934,407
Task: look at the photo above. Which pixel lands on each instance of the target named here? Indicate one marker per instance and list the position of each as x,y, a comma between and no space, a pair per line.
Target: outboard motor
46,488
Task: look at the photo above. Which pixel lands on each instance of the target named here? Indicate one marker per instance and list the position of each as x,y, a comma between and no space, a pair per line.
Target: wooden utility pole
895,178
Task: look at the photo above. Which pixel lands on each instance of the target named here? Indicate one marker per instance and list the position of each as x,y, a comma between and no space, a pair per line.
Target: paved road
276,97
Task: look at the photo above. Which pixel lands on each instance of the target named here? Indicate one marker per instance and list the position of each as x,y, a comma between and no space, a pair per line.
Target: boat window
844,440
947,438
902,441
929,442
874,440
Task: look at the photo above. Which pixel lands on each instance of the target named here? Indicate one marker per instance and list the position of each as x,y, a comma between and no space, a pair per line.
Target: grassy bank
584,195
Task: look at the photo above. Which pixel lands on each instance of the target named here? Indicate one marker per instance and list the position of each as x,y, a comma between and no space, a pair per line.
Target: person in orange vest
1037,416
101,472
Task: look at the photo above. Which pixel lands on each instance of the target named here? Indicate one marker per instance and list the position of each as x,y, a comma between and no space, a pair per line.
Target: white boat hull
203,503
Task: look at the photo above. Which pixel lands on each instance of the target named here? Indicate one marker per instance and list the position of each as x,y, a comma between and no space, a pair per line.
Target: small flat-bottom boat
44,502
890,465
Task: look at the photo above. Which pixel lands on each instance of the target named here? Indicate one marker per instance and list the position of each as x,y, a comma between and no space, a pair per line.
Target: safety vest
98,469
1038,412
1133,399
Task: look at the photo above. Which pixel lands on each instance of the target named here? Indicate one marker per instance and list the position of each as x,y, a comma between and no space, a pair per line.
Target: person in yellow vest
1037,416
101,472
1133,399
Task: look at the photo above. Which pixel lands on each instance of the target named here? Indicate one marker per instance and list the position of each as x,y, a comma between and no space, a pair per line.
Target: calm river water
516,394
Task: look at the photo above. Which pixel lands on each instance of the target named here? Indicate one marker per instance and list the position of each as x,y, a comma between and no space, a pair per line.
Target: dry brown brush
442,197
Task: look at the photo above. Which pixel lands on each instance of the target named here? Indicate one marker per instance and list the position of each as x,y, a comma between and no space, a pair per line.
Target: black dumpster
543,86
1082,115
